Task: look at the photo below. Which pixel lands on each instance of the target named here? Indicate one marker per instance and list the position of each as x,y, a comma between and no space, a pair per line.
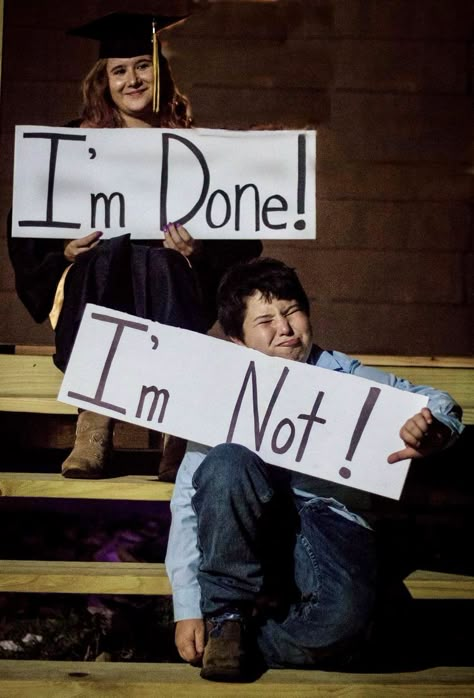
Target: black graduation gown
138,277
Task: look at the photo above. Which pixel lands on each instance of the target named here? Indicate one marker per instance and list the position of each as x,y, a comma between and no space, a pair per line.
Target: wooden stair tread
175,680
422,361
126,487
30,383
426,584
151,579
372,359
455,375
44,404
31,576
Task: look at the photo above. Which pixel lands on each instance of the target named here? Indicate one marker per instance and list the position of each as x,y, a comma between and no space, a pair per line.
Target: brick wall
387,85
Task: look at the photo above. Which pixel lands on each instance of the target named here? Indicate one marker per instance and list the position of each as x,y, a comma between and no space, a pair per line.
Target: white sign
220,184
320,422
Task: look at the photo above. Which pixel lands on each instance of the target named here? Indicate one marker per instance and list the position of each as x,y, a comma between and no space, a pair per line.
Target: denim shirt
182,557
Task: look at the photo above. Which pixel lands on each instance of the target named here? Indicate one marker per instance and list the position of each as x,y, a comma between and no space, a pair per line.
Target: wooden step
136,487
453,374
31,576
30,383
426,584
397,360
43,679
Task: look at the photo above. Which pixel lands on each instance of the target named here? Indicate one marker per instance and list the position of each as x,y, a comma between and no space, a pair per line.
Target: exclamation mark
301,191
365,413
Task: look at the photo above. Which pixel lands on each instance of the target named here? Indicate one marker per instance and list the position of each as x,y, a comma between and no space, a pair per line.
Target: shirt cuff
454,424
187,603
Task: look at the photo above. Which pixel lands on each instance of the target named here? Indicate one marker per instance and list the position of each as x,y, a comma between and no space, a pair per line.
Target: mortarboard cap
125,34
128,34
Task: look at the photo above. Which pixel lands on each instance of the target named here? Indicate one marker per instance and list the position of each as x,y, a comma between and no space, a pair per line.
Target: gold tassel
156,72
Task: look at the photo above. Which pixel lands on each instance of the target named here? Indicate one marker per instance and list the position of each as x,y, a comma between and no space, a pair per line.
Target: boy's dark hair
273,278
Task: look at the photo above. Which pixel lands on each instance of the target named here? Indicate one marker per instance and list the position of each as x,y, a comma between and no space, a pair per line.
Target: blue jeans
256,538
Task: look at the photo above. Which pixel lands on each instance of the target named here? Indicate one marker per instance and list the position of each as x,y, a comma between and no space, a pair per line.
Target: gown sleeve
38,265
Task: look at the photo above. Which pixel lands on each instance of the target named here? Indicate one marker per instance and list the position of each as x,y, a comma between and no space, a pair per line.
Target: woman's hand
177,238
76,247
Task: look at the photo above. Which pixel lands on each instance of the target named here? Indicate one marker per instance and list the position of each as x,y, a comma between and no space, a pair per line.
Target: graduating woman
172,281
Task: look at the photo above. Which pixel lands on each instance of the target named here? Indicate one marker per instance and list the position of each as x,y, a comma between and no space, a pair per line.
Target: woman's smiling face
131,84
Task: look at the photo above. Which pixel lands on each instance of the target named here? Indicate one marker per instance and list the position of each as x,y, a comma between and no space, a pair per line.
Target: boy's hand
190,639
422,435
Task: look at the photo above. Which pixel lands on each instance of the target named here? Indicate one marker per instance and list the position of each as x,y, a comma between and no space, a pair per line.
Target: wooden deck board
32,576
425,584
30,383
424,361
43,679
450,373
127,487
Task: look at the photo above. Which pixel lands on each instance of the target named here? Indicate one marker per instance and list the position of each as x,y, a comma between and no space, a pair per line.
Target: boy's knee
226,464
232,452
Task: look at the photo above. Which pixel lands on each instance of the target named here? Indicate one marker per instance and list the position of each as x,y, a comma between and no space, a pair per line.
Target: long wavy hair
99,110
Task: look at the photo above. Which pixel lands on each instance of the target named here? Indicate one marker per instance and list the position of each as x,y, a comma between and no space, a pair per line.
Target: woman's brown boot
92,448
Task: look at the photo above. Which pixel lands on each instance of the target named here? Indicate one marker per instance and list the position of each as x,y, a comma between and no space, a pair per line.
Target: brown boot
227,655
92,448
171,457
